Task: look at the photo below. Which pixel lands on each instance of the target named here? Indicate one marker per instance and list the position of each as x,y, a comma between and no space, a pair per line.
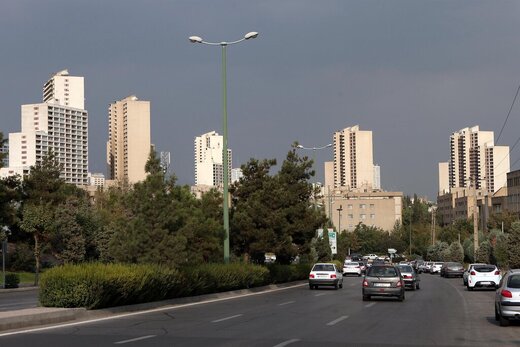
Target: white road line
320,294
337,320
370,305
136,339
288,342
286,303
153,310
227,318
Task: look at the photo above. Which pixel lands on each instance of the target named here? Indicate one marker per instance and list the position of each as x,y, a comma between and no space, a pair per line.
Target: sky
413,72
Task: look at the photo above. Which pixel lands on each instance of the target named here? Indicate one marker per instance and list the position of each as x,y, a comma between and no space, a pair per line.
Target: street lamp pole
313,149
339,217
225,158
5,230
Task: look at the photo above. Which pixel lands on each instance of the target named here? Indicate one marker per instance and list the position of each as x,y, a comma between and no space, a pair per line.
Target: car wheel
366,297
336,286
504,322
497,315
311,287
418,286
341,285
469,288
401,297
414,286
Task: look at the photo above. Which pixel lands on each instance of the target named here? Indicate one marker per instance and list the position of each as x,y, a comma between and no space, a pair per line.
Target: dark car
452,269
383,280
410,277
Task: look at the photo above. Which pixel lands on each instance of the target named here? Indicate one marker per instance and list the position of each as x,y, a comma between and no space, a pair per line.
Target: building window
372,216
363,216
351,216
362,206
349,207
372,206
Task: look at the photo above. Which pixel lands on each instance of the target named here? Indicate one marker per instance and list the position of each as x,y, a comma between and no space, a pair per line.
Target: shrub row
96,285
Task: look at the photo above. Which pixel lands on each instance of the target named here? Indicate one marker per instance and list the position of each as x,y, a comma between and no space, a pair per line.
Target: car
363,267
410,277
436,267
325,274
383,280
467,271
351,268
483,276
507,298
452,269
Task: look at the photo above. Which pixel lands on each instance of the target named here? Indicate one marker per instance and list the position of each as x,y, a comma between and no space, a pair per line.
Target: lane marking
337,320
136,339
320,294
286,303
227,318
153,310
285,343
370,305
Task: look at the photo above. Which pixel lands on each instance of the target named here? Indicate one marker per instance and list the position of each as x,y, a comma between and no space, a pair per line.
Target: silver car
410,277
383,280
507,298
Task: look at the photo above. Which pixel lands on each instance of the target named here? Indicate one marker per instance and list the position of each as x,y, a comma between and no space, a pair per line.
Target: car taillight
497,272
365,283
311,276
399,284
332,276
472,273
506,293
407,276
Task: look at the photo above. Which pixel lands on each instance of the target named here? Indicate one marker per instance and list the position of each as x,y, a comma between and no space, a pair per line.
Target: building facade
208,159
353,158
53,126
129,139
66,90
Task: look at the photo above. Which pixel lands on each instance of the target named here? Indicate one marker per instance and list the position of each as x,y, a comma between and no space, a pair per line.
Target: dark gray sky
411,71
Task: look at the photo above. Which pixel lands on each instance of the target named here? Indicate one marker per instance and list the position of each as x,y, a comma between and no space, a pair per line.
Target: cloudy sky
411,71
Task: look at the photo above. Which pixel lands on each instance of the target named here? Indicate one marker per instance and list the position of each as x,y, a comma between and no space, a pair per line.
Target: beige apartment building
347,208
208,160
353,158
59,124
129,139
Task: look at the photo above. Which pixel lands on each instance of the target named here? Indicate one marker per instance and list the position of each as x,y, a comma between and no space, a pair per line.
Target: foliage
2,142
483,252
435,252
280,273
273,213
323,248
454,252
21,259
12,280
513,249
499,242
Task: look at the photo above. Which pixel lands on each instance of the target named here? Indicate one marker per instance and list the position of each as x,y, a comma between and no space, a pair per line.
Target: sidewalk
40,316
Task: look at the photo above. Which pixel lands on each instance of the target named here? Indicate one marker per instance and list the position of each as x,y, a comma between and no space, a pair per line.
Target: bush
12,280
95,285
286,273
22,258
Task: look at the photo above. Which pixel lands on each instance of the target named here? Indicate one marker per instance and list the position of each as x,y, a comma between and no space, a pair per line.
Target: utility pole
339,217
475,218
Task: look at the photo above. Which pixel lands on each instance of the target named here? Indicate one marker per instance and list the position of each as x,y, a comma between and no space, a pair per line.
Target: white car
436,267
484,276
370,256
325,274
466,273
351,268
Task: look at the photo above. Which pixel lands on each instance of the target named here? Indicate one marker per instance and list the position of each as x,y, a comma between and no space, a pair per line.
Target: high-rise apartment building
65,90
353,159
209,160
60,125
129,139
474,161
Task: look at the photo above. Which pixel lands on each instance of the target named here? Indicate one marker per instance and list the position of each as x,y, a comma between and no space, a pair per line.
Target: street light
224,44
339,217
314,149
6,232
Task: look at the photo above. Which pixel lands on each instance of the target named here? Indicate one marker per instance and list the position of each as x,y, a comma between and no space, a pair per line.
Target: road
442,313
17,300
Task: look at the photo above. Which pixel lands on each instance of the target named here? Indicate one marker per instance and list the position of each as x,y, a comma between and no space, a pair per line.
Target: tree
323,248
2,154
43,190
483,252
513,250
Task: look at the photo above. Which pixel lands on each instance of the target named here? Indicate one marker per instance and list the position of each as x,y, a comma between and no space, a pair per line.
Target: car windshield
382,271
484,268
514,281
351,264
323,267
405,268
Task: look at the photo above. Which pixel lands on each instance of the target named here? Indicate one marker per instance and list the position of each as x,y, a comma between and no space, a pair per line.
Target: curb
36,317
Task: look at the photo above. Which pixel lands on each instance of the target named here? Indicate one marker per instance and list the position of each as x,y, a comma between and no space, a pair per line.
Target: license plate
485,282
381,284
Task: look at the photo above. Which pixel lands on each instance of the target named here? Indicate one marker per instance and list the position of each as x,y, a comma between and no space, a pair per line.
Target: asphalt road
441,313
19,299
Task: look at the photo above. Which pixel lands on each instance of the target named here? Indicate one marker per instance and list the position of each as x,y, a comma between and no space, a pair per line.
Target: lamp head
195,39
299,146
251,35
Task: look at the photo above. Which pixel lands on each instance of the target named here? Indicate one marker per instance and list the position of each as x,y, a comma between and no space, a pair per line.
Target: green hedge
96,285
12,280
